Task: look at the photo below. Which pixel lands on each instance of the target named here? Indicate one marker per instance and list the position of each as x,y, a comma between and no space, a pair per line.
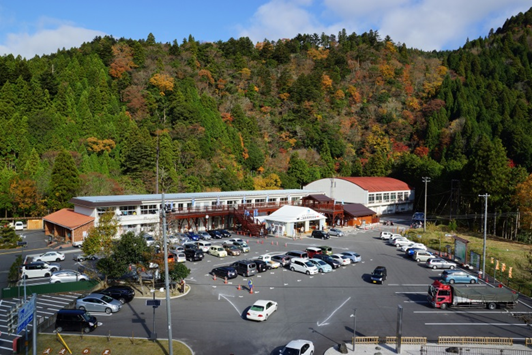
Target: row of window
388,197
153,209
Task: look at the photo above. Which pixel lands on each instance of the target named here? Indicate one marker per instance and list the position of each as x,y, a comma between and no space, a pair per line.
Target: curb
187,290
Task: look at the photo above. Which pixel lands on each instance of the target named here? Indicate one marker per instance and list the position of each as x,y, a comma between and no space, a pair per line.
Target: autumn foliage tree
122,60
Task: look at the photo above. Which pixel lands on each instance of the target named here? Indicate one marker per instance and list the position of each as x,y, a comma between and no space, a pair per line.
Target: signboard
153,303
25,314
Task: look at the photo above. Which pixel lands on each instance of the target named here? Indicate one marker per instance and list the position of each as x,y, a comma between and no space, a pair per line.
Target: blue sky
36,27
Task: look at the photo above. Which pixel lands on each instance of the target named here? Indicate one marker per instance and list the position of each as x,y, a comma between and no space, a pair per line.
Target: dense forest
122,116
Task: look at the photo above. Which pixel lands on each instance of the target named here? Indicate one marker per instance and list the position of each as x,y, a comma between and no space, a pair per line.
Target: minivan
217,250
297,254
422,256
311,251
194,254
245,268
204,246
76,320
303,265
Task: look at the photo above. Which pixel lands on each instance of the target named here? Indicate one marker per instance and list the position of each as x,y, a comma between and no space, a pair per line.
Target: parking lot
320,308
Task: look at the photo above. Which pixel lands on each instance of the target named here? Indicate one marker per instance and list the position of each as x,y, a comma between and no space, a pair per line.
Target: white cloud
422,24
46,41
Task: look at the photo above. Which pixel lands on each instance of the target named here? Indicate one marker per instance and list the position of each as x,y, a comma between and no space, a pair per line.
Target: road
211,318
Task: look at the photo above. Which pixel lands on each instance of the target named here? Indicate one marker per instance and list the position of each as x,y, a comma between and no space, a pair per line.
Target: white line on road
481,324
324,322
411,293
468,312
225,297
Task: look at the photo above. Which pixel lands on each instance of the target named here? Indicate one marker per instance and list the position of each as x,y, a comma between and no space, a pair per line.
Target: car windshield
321,262
107,299
256,308
86,316
290,351
308,263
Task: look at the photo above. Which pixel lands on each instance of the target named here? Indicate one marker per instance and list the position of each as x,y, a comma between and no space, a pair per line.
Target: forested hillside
99,119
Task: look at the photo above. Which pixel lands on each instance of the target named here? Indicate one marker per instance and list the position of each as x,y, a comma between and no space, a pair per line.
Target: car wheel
418,260
59,329
86,330
451,281
108,310
308,272
47,275
443,306
434,267
81,308
57,259
473,281
492,306
292,268
320,270
122,300
451,267
57,282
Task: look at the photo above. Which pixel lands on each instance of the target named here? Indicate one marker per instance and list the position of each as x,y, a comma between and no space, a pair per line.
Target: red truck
442,295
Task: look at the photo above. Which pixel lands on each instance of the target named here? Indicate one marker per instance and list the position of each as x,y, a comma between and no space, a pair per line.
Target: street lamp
425,180
485,228
207,222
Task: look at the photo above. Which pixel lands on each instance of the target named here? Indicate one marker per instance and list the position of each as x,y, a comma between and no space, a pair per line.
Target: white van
422,255
204,246
303,265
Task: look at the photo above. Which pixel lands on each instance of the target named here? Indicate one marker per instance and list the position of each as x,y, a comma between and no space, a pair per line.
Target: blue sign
25,314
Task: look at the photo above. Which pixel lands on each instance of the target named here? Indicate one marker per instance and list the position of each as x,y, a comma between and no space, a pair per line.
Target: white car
414,245
261,310
232,240
180,257
19,226
67,276
51,256
217,250
298,347
397,240
399,243
386,235
268,259
342,259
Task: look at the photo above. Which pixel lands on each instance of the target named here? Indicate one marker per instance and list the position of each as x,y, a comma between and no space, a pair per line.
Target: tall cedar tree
65,182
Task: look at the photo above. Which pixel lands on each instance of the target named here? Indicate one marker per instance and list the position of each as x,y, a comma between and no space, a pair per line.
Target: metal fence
449,349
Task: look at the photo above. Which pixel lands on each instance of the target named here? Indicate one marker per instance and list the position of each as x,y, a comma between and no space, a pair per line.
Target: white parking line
481,324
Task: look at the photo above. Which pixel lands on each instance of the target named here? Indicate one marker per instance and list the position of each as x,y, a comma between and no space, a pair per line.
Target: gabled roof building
384,195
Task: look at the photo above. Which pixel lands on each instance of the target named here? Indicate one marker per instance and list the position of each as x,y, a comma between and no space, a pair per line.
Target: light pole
207,222
167,281
425,180
485,228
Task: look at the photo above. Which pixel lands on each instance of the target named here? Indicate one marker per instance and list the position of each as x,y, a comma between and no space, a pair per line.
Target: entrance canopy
288,220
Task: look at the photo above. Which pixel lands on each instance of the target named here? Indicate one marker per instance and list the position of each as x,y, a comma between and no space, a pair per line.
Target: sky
37,27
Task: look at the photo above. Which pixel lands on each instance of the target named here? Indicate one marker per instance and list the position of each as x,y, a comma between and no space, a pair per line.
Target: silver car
437,263
355,257
67,276
336,232
97,302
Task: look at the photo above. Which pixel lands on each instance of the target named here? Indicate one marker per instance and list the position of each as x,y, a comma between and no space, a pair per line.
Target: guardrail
475,340
407,340
365,340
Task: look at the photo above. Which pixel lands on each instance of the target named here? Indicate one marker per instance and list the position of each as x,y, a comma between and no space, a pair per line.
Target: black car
262,266
194,254
320,234
334,263
379,275
224,233
215,234
122,293
224,271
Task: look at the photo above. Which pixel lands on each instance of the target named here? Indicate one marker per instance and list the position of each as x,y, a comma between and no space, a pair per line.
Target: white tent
287,218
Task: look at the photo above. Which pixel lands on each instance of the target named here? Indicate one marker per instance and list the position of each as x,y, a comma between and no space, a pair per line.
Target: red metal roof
378,184
69,219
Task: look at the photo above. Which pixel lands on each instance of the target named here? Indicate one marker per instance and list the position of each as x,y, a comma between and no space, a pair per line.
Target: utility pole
425,180
167,280
485,227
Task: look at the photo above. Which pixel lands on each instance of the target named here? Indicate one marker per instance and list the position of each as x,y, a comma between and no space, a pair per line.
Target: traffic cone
272,242
251,290
277,243
225,280
214,277
258,241
263,242
239,288
285,244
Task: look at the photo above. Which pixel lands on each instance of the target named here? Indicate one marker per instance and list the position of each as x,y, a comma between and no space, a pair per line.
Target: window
128,210
371,198
386,197
406,194
378,198
399,196
103,210
393,196
283,199
230,203
260,201
129,228
148,209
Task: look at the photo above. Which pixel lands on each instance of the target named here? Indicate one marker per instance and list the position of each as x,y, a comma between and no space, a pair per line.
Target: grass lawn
512,254
117,345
